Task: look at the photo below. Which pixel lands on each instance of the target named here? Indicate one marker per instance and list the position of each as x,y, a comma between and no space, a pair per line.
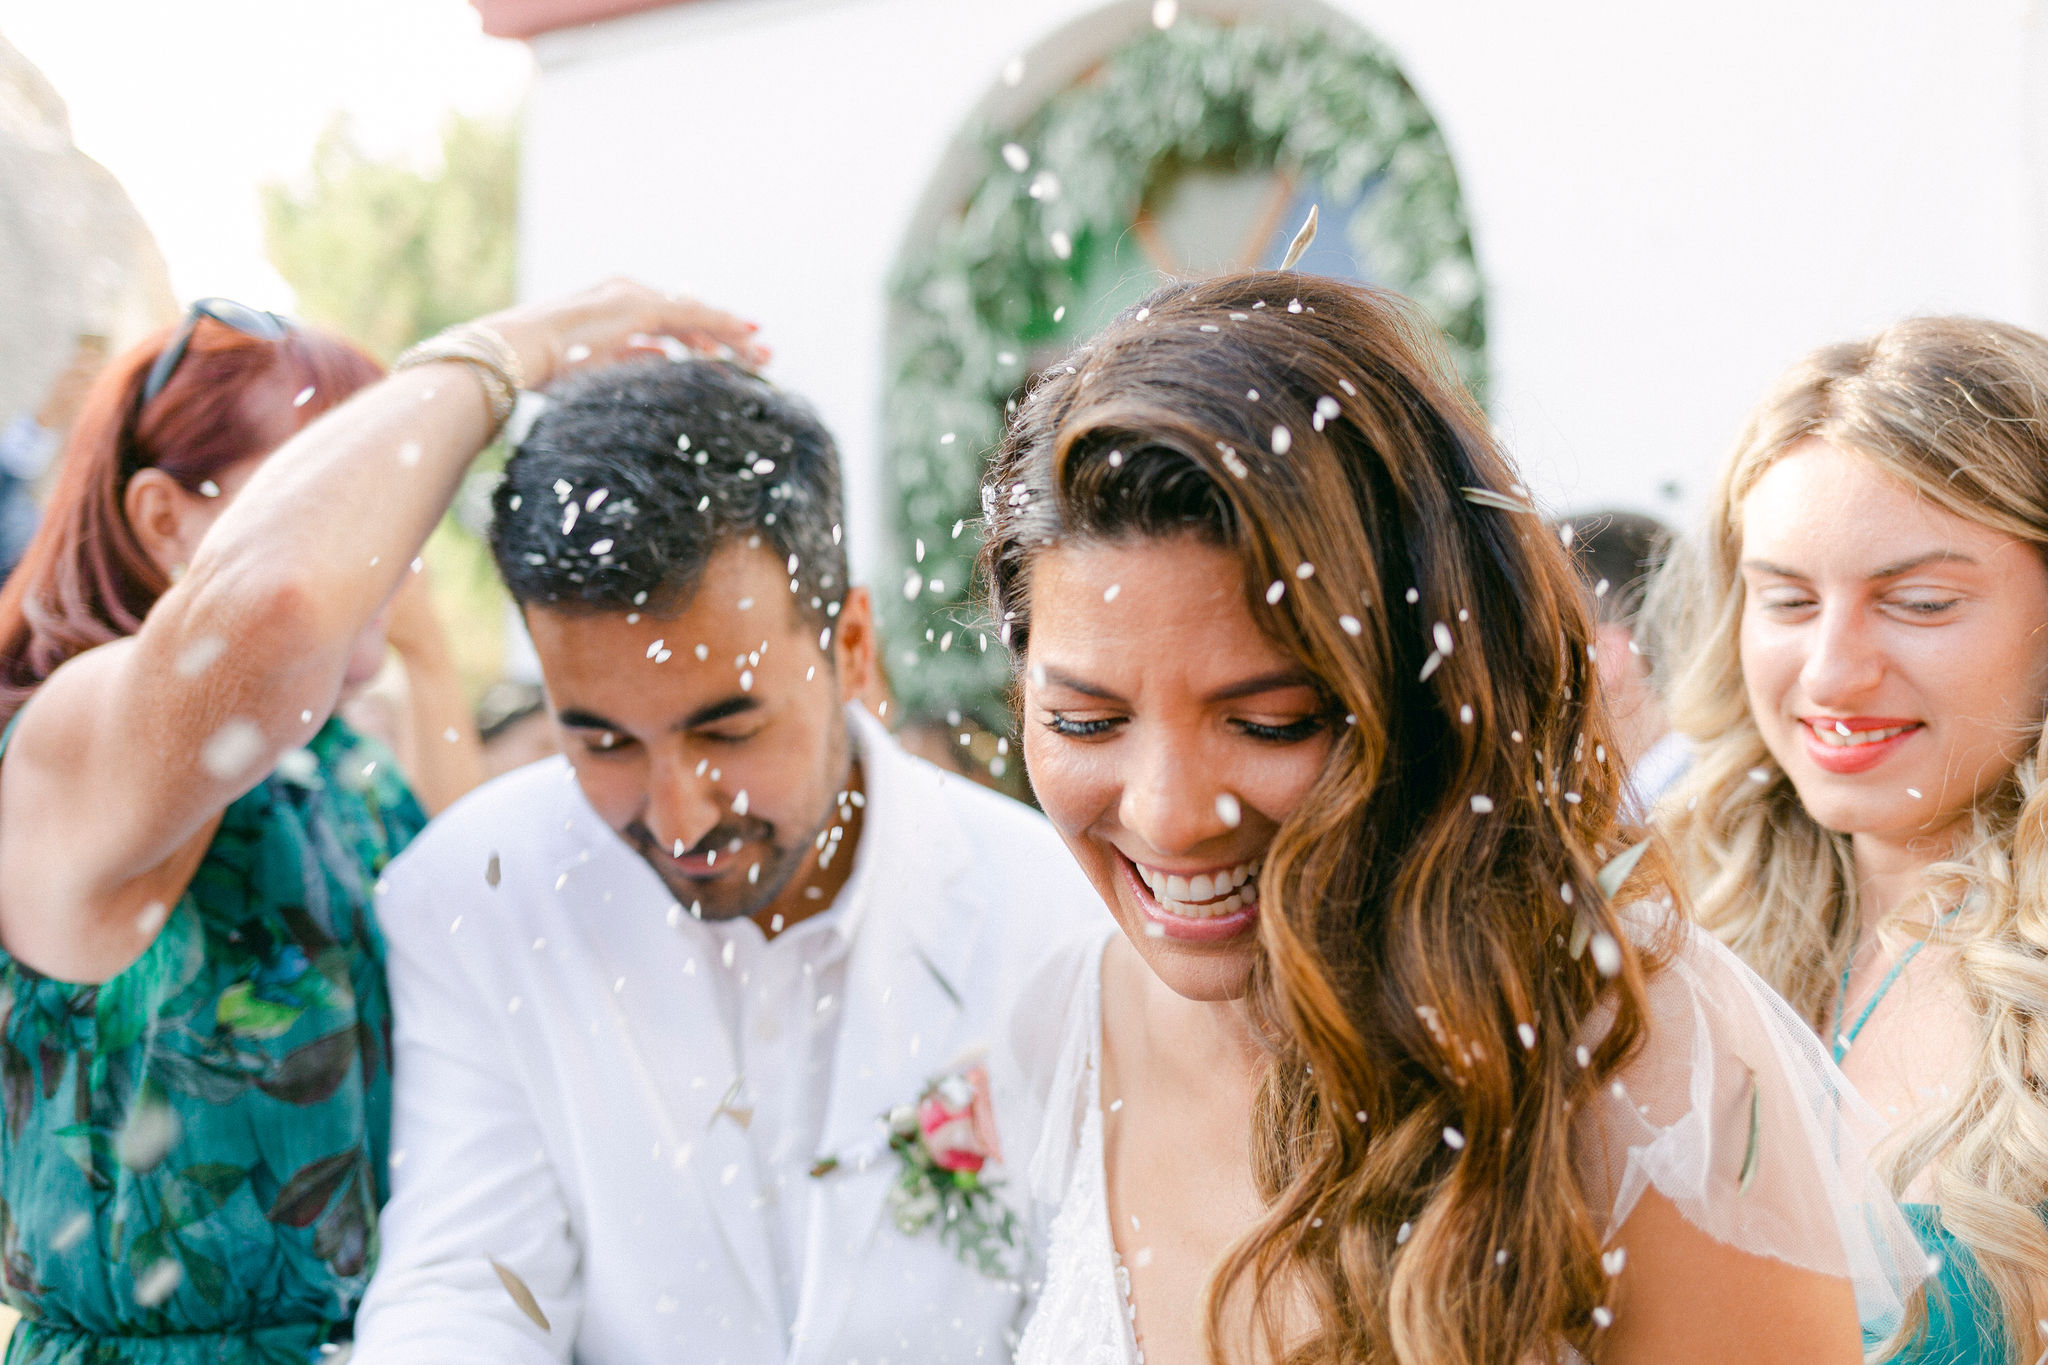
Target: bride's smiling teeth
1837,735
1206,894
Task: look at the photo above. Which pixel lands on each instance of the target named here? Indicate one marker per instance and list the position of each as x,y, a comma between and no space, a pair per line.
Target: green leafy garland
998,281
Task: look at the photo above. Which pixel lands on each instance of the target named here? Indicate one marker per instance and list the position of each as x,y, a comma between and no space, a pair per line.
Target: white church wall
1669,203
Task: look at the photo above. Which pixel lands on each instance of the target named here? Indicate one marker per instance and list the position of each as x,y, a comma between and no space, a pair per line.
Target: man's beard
731,894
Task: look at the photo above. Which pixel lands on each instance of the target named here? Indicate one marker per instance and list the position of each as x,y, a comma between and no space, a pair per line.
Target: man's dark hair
1616,553
637,473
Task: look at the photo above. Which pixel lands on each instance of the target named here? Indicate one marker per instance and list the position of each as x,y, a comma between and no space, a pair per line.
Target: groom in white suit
655,999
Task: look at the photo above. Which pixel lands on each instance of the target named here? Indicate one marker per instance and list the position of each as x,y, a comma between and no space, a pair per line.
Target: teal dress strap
1843,1039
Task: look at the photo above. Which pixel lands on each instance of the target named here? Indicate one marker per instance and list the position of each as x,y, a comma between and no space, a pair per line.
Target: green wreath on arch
992,294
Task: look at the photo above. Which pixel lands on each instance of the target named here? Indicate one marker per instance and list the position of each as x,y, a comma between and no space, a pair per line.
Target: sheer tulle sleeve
1054,1037
1733,1111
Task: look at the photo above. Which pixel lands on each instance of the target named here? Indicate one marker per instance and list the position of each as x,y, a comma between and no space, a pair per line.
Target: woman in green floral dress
194,1030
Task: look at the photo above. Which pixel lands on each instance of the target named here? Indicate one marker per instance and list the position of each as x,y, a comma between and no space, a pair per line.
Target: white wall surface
1670,202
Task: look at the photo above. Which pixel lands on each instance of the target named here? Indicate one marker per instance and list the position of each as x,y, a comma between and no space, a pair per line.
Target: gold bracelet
492,358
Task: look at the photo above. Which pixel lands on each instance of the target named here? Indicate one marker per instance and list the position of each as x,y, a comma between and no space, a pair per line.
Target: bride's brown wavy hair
1422,984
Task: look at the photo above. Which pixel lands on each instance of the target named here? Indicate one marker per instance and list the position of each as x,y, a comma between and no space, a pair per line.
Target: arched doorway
1188,148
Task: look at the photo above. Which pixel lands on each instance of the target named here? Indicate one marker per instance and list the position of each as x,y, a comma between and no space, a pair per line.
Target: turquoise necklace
1843,1040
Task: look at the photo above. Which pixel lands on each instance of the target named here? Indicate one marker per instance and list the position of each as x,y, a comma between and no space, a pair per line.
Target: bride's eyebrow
1278,681
1060,678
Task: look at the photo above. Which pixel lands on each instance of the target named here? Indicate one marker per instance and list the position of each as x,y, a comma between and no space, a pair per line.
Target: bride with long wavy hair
1865,822
1384,1066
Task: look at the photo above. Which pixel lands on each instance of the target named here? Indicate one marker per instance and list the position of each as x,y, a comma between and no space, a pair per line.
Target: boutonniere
945,1142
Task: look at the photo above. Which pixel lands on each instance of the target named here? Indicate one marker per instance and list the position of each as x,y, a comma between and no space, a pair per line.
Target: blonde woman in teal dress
1862,657
194,1030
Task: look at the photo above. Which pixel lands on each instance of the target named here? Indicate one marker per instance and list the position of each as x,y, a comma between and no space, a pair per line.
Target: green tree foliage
387,253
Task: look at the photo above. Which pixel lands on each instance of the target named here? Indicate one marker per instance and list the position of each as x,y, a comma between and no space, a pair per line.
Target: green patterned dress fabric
193,1154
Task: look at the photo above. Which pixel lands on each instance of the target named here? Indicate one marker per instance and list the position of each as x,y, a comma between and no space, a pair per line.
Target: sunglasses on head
244,319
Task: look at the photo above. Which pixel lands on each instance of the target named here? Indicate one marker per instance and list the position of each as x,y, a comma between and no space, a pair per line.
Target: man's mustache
720,840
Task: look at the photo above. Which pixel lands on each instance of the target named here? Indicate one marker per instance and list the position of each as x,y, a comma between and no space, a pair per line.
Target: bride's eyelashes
1293,732
1288,732
1062,724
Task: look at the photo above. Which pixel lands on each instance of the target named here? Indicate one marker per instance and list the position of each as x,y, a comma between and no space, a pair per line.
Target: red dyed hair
85,579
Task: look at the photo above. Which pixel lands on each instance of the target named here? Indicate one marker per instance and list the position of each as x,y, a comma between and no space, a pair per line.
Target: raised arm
123,761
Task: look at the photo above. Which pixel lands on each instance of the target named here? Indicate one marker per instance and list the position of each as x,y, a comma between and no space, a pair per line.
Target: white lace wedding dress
1724,1058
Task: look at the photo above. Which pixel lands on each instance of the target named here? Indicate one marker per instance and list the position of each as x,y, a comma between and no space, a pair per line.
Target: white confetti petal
232,749
158,1282
74,1230
198,656
1606,954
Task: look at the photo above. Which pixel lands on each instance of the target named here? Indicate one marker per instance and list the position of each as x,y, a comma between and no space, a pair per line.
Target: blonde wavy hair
1957,410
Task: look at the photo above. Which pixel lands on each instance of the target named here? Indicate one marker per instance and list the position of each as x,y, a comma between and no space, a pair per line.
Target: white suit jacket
569,1127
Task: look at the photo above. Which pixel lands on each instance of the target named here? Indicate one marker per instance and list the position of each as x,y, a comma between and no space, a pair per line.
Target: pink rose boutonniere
957,1122
945,1141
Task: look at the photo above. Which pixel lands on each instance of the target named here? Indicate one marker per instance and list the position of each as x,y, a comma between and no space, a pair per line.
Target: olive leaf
952,993
1486,497
1302,240
731,1107
1756,1133
521,1295
1614,875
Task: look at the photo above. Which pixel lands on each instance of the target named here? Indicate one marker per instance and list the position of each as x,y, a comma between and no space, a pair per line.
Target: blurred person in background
1865,668
28,443
194,1061
512,720
1617,554
415,705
